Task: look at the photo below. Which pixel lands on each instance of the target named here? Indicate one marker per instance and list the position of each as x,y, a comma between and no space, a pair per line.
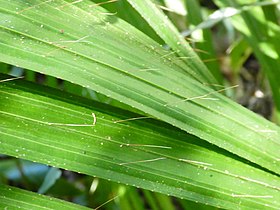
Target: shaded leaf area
204,39
125,11
261,30
14,198
145,153
97,53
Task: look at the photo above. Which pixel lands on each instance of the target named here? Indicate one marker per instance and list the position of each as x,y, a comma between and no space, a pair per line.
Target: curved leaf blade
101,59
179,164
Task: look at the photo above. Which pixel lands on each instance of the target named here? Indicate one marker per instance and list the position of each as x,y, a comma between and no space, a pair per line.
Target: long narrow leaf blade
97,54
14,198
38,124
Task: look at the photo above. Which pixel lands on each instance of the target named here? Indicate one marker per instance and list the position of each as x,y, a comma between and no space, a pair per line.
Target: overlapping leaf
144,153
14,198
167,31
205,41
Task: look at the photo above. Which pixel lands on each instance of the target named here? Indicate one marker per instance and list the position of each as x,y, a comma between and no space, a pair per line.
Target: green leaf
105,54
14,198
204,39
167,31
174,163
229,9
125,11
50,179
15,170
4,68
263,37
239,52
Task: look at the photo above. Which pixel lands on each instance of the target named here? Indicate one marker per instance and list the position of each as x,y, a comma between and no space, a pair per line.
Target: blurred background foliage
231,55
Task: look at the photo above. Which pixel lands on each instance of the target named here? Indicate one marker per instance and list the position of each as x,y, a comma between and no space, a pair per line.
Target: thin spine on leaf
165,8
218,91
102,3
215,85
144,161
204,97
32,7
210,60
131,119
68,4
76,125
166,55
109,13
11,79
71,41
201,51
251,196
66,41
185,57
146,145
103,204
195,162
149,69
